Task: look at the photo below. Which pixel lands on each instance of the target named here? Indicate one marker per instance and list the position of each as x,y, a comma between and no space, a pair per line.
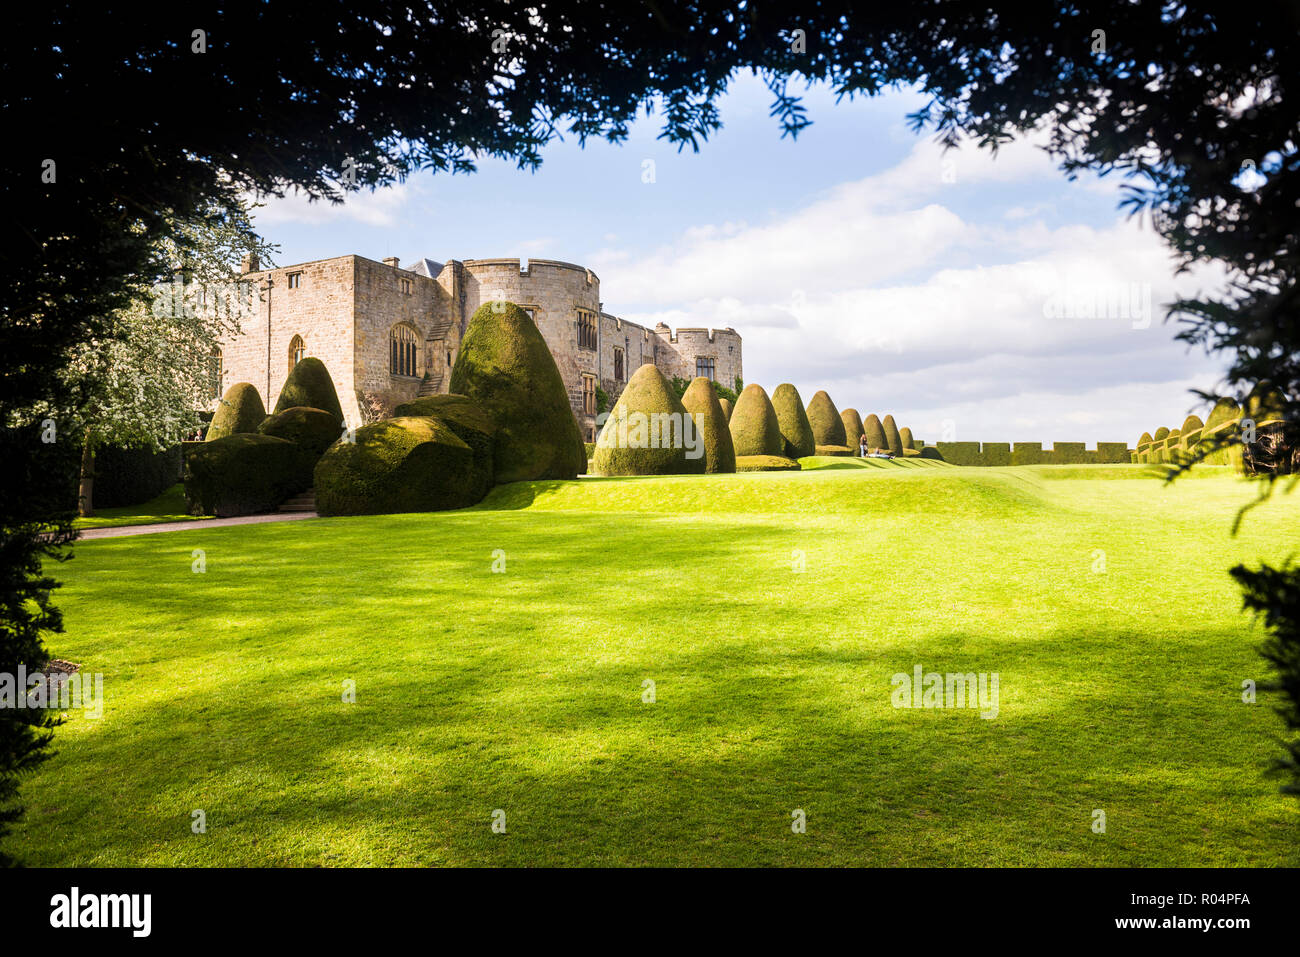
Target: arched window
296,351
401,350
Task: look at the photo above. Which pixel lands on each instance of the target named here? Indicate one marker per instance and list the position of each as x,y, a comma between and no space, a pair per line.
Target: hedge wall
960,453
996,453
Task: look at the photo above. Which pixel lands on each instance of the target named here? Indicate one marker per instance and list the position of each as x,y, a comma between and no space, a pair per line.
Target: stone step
302,502
430,386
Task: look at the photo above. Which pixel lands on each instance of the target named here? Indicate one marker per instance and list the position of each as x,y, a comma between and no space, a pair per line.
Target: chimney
249,263
392,261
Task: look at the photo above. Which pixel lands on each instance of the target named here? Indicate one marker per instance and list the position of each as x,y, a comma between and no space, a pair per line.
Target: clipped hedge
905,436
645,432
406,464
841,450
960,453
240,411
753,426
133,476
467,421
244,474
702,402
996,453
1113,453
1070,453
796,430
727,407
930,452
309,386
827,425
853,432
875,434
506,367
1027,453
313,430
893,440
766,463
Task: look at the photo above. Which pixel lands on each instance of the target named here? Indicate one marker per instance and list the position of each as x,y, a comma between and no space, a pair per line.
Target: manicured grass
522,691
167,507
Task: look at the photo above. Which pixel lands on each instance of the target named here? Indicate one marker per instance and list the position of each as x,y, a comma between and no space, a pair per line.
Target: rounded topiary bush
893,441
753,425
838,450
905,436
312,430
309,386
796,430
407,464
240,411
649,431
507,369
852,423
702,402
875,434
244,474
766,463
827,426
467,421
727,408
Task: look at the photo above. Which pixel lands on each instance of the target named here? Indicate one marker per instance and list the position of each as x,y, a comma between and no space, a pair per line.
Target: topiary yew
406,464
702,402
240,412
649,432
468,421
309,386
827,426
893,441
727,408
852,427
244,474
875,434
753,426
796,430
507,369
312,430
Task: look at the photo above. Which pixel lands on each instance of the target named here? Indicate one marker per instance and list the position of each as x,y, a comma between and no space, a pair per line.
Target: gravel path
122,531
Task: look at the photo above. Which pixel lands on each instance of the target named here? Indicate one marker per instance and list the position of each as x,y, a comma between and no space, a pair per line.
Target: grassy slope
522,690
167,507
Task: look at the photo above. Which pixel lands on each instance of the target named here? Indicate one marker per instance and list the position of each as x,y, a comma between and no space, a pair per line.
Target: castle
389,333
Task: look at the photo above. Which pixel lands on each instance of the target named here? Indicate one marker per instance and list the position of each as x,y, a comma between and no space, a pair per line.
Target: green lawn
522,691
167,507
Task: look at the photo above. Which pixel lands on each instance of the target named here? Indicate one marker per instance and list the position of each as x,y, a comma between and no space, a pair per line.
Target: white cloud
879,292
381,207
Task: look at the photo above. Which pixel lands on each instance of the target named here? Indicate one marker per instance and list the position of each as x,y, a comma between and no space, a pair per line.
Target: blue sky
858,258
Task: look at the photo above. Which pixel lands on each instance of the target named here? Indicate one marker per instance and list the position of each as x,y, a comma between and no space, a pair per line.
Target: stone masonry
347,311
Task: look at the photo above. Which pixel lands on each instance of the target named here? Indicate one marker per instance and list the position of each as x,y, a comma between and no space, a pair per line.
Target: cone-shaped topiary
702,402
312,430
407,464
905,436
875,434
1191,424
649,431
506,367
892,439
753,425
852,428
827,426
1265,404
309,385
240,411
727,408
796,430
1161,434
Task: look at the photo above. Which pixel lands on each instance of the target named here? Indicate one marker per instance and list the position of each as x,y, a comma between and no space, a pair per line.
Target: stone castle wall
346,308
